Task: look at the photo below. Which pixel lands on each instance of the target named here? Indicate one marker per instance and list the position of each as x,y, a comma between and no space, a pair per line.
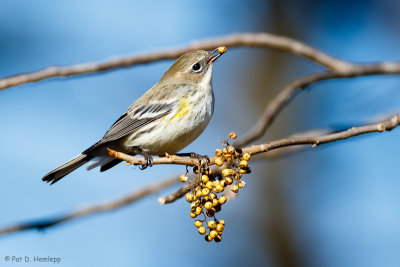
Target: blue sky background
341,200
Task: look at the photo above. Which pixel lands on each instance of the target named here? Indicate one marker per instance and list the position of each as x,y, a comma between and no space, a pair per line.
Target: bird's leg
148,158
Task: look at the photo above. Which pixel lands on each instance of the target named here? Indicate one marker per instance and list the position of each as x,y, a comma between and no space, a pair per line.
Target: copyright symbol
7,258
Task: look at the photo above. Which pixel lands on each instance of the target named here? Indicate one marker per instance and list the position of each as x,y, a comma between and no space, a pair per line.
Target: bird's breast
181,127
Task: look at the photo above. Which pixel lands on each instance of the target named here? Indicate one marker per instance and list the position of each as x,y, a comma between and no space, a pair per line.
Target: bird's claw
203,160
149,162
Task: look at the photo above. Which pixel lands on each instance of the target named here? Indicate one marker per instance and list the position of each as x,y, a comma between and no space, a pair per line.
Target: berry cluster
207,198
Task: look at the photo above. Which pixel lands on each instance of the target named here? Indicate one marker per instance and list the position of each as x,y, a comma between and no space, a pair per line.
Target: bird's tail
66,168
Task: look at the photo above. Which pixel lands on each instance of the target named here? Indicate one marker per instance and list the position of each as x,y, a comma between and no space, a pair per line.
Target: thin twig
385,125
171,159
83,212
287,92
241,39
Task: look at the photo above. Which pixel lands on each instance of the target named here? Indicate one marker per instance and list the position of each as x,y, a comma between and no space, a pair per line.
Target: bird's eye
196,67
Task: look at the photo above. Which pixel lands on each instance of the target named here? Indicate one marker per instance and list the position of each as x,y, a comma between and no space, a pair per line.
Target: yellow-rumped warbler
167,118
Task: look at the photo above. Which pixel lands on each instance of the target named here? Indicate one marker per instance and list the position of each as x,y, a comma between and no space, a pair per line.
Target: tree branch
99,208
234,40
169,159
384,125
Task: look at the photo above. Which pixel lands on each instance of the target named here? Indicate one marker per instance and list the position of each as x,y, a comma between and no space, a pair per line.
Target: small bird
166,119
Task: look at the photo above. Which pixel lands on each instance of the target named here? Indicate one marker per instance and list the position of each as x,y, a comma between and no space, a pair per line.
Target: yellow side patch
183,109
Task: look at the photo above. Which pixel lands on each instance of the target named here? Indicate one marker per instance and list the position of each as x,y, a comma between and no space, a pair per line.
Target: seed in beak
221,49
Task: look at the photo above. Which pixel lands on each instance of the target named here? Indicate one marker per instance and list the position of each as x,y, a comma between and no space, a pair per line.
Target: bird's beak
216,53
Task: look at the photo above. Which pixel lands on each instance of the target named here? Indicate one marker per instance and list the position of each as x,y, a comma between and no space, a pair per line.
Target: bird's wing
136,118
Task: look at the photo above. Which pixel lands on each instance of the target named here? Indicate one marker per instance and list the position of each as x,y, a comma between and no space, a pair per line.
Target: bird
167,118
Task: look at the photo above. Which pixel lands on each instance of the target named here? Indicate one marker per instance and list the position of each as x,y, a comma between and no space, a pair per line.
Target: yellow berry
222,199
204,178
243,163
218,152
213,234
209,185
218,238
238,176
235,188
215,202
198,193
211,224
190,197
241,184
208,205
231,150
228,180
193,215
219,161
246,156
198,210
208,238
225,151
213,196
205,191
232,135
242,171
198,223
222,222
220,227
183,178
227,172
219,188
193,206
202,230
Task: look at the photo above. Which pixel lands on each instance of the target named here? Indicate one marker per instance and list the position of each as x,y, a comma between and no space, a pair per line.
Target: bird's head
193,66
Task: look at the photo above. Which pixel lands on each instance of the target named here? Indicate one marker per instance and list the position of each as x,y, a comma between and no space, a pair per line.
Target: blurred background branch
42,224
286,94
264,40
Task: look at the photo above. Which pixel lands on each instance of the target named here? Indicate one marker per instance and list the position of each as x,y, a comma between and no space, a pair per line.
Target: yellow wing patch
183,109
